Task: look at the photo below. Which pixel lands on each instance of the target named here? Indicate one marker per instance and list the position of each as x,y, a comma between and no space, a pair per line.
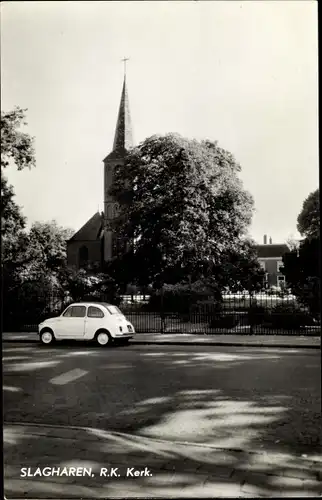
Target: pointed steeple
123,139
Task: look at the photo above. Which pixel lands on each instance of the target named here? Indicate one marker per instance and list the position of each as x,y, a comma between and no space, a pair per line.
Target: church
95,242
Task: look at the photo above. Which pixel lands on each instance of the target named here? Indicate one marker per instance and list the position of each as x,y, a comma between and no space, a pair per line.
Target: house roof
271,250
92,229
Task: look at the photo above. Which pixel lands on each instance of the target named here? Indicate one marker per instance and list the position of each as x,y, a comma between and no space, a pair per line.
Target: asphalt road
230,397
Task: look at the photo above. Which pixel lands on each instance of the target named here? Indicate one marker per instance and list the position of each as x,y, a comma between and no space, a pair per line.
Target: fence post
189,304
251,314
162,311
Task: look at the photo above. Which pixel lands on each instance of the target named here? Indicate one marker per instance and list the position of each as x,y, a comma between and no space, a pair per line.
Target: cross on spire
124,60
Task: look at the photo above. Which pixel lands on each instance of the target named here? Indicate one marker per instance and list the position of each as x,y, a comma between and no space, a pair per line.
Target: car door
72,325
94,321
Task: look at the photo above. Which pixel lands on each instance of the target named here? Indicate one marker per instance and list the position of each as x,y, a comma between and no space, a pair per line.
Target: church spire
123,139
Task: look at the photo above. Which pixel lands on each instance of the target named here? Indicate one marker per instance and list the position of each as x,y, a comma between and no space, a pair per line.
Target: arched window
116,209
109,211
83,256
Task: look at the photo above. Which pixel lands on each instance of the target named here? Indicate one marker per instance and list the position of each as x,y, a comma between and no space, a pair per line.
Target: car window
95,312
78,311
68,312
114,310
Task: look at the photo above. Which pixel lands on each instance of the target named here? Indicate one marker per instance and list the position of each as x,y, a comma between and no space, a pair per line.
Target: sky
242,73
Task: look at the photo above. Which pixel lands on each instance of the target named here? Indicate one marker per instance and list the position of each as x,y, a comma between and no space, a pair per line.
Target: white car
97,321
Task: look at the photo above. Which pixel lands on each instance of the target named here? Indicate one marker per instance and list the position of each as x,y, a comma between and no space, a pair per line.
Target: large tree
16,149
184,207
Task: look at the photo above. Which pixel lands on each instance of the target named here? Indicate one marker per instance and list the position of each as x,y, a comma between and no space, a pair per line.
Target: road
233,398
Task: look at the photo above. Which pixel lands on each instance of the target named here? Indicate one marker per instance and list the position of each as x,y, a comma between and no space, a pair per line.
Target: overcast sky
242,73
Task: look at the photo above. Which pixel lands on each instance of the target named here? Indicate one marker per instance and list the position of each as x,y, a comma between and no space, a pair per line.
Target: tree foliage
184,207
45,251
12,223
302,273
308,221
302,264
16,146
37,266
17,149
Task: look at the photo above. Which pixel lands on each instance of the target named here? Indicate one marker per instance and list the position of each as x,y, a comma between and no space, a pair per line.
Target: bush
256,315
182,302
224,321
289,317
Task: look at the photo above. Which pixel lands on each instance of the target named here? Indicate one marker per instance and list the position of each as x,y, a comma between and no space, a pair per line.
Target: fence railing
238,314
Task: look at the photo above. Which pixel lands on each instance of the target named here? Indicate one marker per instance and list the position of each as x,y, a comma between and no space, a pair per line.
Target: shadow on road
195,429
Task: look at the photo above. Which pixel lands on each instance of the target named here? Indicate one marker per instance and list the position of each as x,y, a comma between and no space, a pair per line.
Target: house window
262,265
83,256
280,265
281,281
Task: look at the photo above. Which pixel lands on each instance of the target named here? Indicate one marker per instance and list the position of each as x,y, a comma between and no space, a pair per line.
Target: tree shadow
196,430
174,468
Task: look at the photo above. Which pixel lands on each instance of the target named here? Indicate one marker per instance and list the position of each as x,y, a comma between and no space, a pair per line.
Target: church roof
91,231
123,139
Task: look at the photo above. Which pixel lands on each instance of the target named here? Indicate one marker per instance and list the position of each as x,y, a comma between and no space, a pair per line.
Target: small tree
302,272
308,221
302,265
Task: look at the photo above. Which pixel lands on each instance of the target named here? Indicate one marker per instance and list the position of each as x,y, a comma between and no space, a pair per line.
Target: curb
192,343
234,344
141,438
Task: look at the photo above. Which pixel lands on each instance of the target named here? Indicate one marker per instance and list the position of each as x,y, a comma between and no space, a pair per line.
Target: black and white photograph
160,249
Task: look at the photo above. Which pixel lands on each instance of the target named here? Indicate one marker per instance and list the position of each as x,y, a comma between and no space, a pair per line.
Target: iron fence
236,314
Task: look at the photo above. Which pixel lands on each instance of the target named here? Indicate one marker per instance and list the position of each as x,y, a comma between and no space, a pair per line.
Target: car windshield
112,309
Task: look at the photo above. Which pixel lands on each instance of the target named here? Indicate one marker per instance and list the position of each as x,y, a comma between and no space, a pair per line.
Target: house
270,256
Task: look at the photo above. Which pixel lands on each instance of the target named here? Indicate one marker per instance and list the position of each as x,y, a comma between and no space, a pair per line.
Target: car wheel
103,339
47,337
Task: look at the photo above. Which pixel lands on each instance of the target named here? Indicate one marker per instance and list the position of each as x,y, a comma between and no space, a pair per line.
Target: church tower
123,141
95,242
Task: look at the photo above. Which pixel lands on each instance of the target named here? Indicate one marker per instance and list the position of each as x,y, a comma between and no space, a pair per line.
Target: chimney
270,240
265,239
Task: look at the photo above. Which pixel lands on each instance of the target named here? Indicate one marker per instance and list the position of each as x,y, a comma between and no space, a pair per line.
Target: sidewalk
292,341
169,469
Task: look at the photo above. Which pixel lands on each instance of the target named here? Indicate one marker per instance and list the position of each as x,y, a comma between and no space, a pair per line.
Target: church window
115,209
83,256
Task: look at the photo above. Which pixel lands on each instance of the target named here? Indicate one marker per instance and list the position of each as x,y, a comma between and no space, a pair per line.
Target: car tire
103,339
47,337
